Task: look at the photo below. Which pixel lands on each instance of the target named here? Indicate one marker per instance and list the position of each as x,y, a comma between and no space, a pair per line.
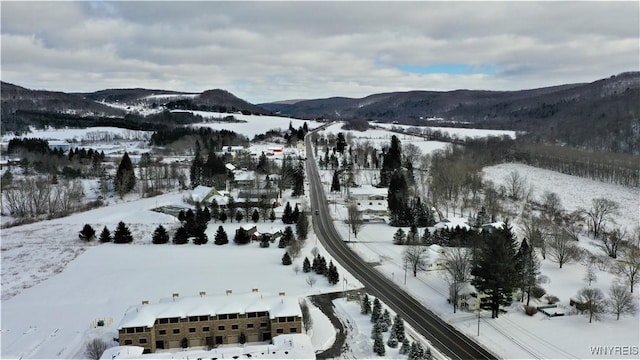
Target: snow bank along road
444,337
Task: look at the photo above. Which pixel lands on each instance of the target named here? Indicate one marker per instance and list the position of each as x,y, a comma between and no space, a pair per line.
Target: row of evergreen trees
122,234
319,266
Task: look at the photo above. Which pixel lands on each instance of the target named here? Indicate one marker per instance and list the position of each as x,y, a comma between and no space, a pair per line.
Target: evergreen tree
122,235
255,216
242,237
333,276
321,266
398,328
335,183
295,216
221,237
87,233
196,171
341,143
306,265
298,180
386,317
239,216
215,210
377,310
231,206
427,354
397,199
494,269
412,235
201,238
105,235
125,178
399,237
391,162
286,238
223,216
528,267
182,216
378,344
160,235
365,305
426,238
392,342
302,226
272,215
287,215
382,325
406,347
181,236
286,259
242,339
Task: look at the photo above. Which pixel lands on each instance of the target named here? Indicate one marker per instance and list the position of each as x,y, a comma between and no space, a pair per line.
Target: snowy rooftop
146,315
452,223
290,346
200,192
368,190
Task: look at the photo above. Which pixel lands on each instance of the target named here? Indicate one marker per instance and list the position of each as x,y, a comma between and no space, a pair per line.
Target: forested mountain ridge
602,115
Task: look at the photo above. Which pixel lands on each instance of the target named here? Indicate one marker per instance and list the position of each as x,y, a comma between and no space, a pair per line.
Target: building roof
146,315
242,175
202,193
452,223
367,190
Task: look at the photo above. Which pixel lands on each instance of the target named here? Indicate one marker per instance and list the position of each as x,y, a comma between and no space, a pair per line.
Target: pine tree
494,269
306,265
242,339
221,237
272,215
378,344
386,317
365,305
223,216
215,210
105,235
201,238
255,216
335,183
286,238
122,235
427,354
382,325
377,310
181,236
391,162
87,233
392,342
426,238
302,226
287,215
239,216
125,178
286,259
295,216
242,237
332,275
160,235
321,266
406,347
182,216
399,237
398,328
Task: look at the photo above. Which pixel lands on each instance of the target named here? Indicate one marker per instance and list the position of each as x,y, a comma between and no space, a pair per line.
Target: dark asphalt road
442,336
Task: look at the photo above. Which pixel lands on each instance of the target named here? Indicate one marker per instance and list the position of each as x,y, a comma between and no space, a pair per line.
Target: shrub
551,299
538,292
95,348
530,310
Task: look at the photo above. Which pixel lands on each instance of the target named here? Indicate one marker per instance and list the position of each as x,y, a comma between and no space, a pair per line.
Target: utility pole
405,271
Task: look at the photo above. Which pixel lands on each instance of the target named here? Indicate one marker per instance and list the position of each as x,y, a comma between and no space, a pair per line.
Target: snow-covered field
574,192
459,133
79,135
252,124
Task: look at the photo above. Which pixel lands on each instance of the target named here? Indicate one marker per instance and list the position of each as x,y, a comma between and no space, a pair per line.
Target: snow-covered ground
459,133
80,135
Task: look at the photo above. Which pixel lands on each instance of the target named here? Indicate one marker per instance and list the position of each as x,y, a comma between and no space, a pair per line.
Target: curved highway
442,336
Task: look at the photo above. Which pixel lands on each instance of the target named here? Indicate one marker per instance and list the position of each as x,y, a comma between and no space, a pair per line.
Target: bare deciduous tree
621,301
296,268
307,321
415,256
612,240
594,301
628,265
562,248
311,280
601,210
551,204
590,275
515,185
536,230
355,219
456,263
95,348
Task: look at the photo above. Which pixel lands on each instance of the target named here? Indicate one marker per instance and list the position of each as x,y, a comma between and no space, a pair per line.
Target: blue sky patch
453,69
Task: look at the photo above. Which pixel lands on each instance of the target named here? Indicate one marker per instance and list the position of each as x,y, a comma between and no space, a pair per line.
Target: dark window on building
176,331
173,320
164,321
251,314
203,318
162,332
130,330
282,319
206,328
143,341
221,327
139,329
234,327
249,326
290,318
223,317
279,331
263,324
262,313
193,318
192,330
233,316
293,330
128,342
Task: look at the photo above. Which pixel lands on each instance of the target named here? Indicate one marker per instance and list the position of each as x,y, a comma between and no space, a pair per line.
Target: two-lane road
443,336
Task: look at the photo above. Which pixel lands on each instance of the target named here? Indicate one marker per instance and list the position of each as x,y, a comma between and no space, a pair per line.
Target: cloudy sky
268,51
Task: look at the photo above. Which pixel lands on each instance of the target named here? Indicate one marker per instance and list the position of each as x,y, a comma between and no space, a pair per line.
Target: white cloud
264,51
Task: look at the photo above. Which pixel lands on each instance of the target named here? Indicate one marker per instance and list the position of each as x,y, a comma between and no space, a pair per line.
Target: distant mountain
604,114
127,95
16,98
223,98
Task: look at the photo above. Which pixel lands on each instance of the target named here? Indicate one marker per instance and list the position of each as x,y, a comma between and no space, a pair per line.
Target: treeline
188,104
212,140
614,168
20,121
